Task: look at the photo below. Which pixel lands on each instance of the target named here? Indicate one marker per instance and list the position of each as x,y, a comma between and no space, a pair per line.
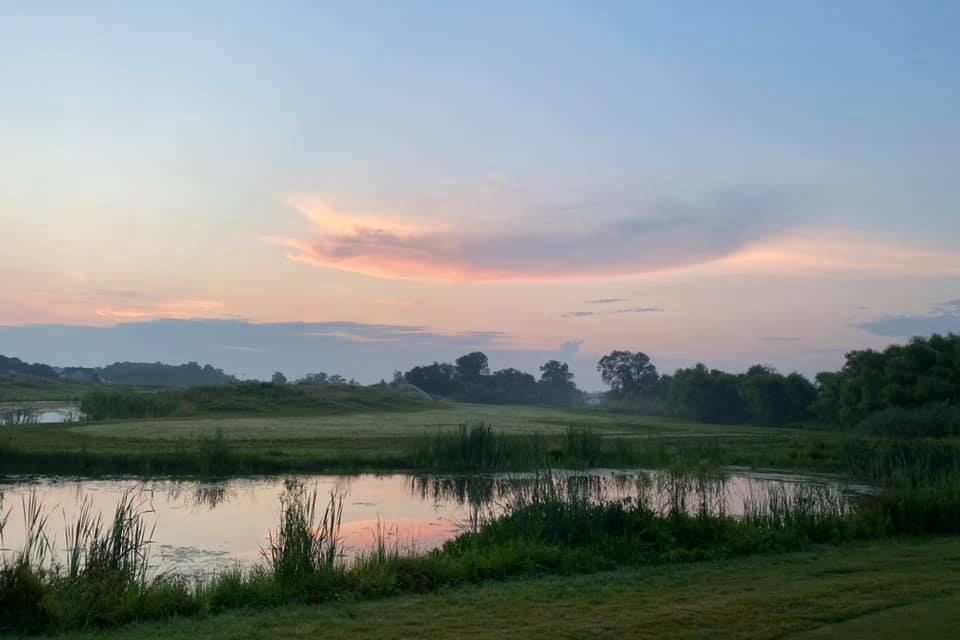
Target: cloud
832,251
570,348
173,309
906,326
950,305
577,314
640,310
583,239
367,352
606,301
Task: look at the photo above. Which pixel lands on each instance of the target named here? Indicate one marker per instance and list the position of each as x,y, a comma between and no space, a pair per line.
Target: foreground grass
890,589
386,440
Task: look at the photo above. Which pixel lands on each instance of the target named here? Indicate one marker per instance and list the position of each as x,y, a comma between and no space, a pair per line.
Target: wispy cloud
944,317
631,237
906,326
577,314
606,301
640,310
172,309
832,251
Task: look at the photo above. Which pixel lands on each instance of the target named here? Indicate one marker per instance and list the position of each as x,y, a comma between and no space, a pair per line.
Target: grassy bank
889,588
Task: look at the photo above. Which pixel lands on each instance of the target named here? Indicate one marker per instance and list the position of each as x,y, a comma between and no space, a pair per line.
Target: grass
358,440
21,388
886,588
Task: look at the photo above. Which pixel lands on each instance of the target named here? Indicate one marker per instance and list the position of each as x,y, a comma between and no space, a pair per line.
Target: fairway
904,589
507,419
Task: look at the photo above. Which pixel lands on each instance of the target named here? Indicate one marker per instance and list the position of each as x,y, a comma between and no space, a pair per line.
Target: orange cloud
735,236
838,252
406,248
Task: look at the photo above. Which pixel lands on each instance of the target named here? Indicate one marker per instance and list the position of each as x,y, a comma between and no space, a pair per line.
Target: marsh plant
307,541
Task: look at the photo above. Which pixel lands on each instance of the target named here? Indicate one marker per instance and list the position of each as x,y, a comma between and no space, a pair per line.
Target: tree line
469,379
923,373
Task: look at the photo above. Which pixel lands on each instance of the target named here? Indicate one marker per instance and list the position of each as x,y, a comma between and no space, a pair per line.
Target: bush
938,420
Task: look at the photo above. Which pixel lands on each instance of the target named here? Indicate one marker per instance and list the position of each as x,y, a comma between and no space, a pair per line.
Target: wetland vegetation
888,419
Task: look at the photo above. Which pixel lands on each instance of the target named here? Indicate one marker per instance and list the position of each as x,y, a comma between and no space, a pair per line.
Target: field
903,589
358,438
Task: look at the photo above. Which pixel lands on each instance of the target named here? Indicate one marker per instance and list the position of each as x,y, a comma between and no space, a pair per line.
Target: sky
360,187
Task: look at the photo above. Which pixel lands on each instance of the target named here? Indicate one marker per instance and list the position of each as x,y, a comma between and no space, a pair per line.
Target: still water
39,412
200,527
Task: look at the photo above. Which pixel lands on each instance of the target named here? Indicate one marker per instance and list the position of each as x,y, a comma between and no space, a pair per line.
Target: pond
200,527
39,412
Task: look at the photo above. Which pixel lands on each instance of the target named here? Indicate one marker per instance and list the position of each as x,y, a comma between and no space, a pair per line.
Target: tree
707,395
314,378
278,378
472,366
436,379
628,373
556,383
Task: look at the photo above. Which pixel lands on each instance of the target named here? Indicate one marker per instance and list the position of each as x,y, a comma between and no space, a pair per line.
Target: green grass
364,439
889,589
247,398
33,389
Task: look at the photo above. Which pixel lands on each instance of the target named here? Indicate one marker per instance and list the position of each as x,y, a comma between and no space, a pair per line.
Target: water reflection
17,413
202,527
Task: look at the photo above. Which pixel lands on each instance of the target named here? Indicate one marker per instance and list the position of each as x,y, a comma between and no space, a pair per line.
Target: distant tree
513,386
472,366
628,373
314,378
556,384
337,379
278,378
708,395
157,374
438,379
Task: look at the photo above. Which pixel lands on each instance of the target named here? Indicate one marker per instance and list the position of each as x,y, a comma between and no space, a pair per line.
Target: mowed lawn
885,589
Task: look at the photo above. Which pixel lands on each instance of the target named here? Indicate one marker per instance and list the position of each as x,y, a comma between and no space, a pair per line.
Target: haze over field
361,189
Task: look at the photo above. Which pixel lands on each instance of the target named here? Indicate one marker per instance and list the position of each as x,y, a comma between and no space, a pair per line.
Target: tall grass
478,448
307,542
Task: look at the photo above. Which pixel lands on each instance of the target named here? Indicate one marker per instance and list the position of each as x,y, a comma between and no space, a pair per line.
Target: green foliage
474,448
938,420
101,404
157,374
707,395
924,371
628,373
306,545
470,380
244,398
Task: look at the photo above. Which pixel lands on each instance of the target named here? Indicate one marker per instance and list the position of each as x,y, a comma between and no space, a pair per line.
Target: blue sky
488,168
